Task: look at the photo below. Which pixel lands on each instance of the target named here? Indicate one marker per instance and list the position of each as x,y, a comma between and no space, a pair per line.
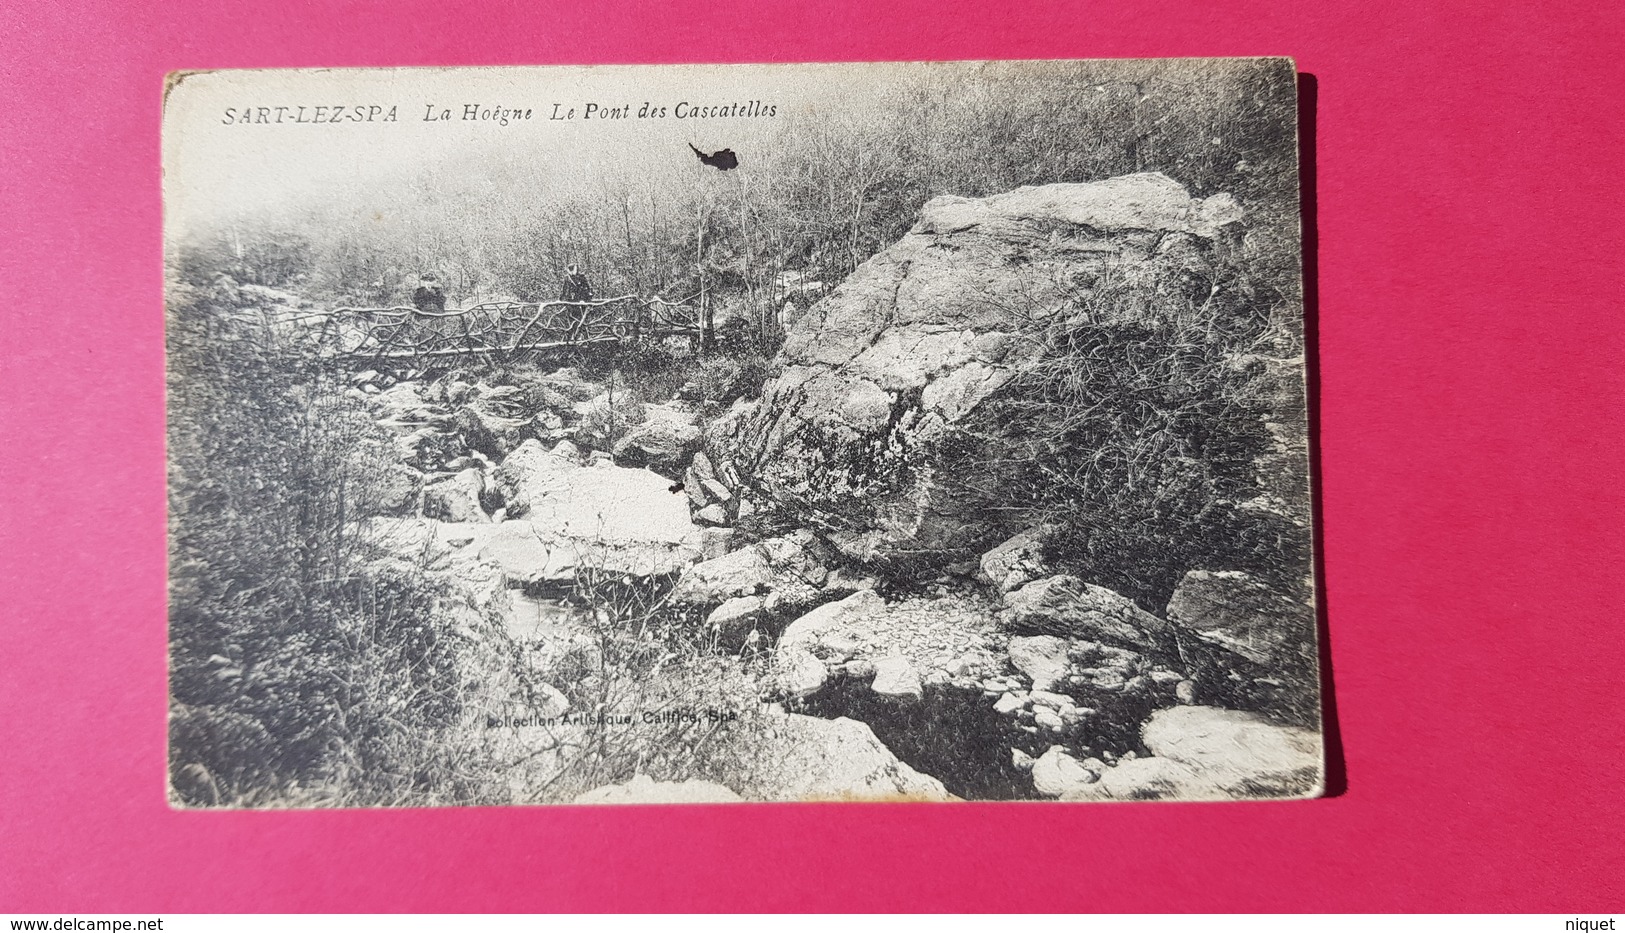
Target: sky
216,165
221,161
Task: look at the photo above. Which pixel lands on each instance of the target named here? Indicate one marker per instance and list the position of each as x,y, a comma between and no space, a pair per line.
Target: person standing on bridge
429,296
576,287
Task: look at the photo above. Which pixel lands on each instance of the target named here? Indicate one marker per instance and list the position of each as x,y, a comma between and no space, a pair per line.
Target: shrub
304,664
723,380
1137,431
675,704
656,371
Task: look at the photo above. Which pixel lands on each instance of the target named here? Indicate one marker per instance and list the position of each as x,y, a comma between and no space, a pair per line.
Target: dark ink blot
723,159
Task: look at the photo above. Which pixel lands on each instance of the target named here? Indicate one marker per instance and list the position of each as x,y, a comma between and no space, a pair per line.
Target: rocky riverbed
998,680
894,643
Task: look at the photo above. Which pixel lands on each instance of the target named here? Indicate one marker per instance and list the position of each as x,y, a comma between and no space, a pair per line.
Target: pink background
1469,330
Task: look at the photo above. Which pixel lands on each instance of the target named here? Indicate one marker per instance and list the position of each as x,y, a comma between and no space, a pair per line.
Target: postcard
713,433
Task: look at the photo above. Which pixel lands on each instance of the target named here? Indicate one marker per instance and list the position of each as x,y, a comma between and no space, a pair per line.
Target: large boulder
664,441
456,498
787,572
872,381
611,517
494,421
1242,615
798,669
806,758
535,472
859,608
1066,606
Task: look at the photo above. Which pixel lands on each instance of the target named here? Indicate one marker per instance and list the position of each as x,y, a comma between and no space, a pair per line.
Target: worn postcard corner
695,434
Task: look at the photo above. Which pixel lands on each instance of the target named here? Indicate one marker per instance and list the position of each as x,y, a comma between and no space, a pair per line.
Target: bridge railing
504,330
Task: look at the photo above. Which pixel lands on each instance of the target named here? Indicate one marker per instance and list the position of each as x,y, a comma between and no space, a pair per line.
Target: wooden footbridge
504,331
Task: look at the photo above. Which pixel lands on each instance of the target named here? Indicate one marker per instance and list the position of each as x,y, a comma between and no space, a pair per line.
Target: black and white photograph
738,433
